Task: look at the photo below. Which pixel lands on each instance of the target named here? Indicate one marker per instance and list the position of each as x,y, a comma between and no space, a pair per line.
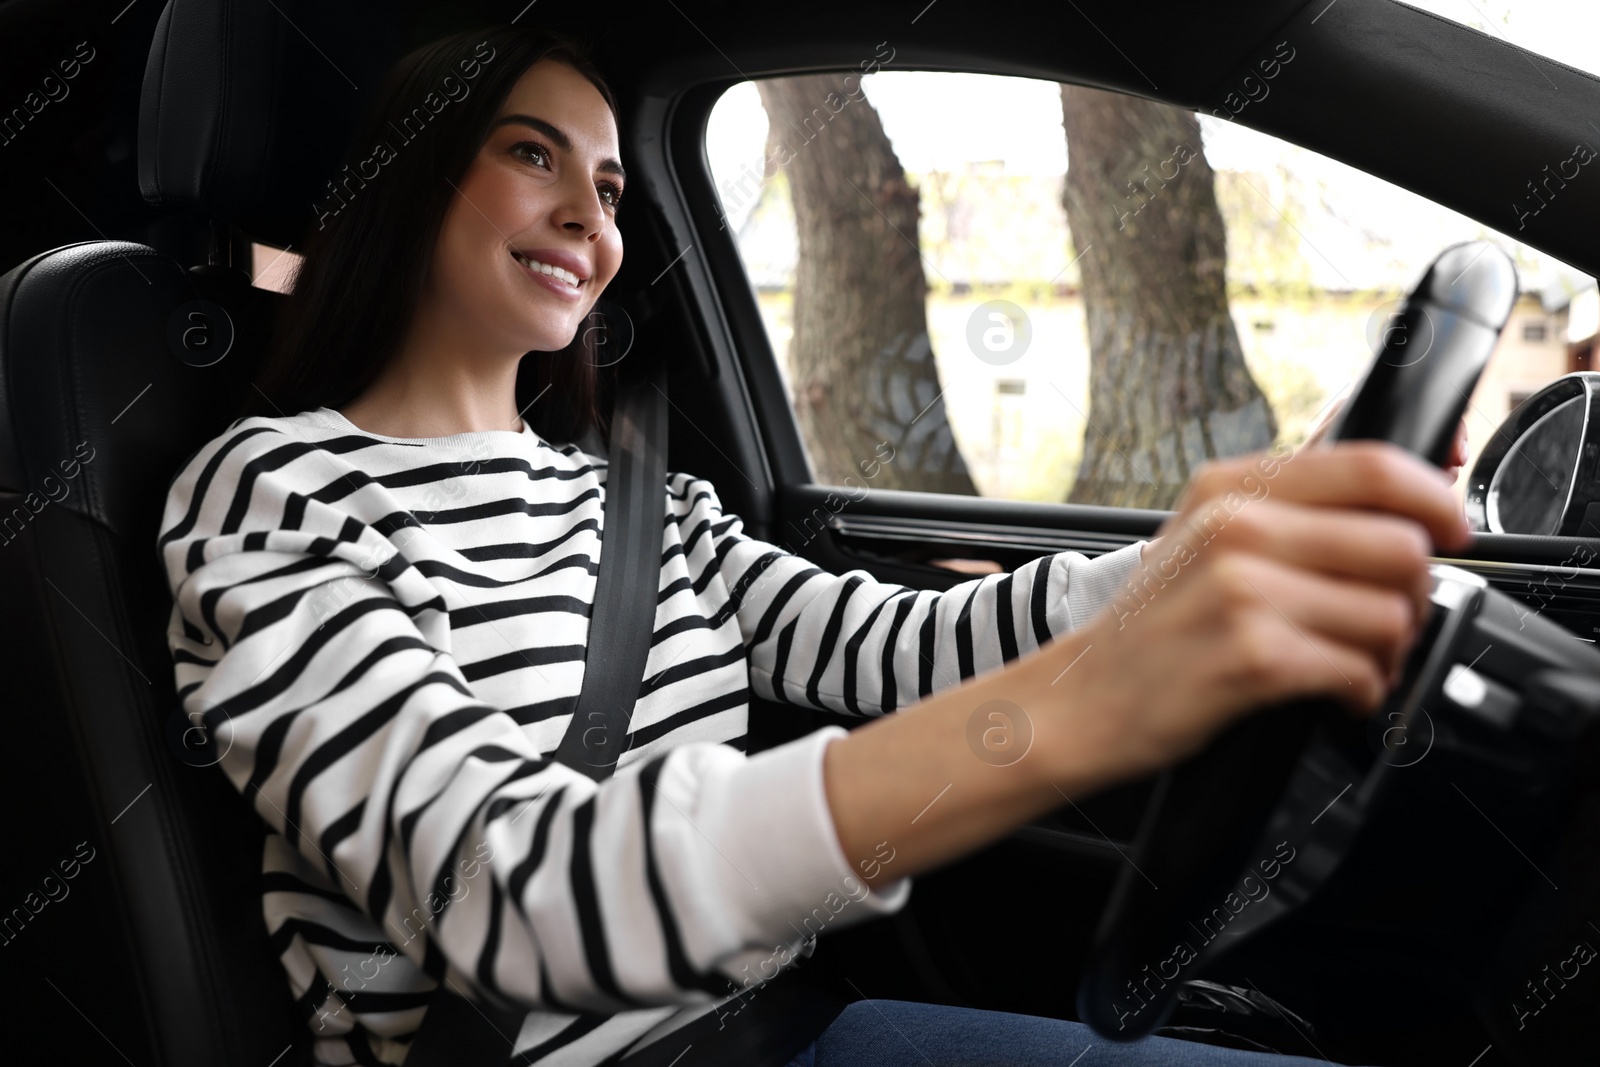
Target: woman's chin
552,337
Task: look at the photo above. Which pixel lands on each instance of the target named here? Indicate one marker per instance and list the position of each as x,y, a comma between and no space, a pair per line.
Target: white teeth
545,268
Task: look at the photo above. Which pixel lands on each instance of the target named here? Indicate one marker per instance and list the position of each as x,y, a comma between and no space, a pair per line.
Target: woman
382,581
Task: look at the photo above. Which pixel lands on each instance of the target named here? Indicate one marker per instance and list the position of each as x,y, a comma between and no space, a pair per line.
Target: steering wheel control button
1483,697
1468,690
1452,585
200,333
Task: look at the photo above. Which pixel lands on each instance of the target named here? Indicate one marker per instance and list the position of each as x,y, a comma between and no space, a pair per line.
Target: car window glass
1017,289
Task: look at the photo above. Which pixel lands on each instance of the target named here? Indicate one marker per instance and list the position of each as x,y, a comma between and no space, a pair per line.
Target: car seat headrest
248,105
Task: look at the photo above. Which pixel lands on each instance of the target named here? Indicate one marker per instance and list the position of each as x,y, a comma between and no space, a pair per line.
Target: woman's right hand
1279,577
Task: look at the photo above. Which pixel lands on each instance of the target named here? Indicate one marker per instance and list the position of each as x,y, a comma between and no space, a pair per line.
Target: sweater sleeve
850,643
317,659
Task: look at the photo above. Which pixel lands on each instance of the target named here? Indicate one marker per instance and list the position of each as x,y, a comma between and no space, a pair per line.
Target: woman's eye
534,146
610,193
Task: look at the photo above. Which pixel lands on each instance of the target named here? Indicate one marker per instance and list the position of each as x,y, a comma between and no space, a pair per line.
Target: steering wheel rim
1196,852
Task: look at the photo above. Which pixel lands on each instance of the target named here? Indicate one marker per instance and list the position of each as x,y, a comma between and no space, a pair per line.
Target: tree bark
1168,384
864,371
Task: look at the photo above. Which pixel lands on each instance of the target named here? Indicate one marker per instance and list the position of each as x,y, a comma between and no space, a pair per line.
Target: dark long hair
364,265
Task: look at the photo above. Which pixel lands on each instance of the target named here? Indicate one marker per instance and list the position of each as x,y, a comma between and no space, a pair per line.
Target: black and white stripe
385,638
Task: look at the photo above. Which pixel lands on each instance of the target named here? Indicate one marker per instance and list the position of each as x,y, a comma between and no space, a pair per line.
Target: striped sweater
383,637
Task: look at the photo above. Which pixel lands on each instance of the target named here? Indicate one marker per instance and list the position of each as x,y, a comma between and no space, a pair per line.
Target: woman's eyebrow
562,141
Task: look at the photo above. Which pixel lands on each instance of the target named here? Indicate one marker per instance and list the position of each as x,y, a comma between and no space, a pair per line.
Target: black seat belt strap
623,618
456,1032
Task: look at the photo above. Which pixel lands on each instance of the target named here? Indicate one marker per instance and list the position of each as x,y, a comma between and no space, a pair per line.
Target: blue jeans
900,1033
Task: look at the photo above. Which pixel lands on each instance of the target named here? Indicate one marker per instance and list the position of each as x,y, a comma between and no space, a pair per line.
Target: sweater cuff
1092,583
787,876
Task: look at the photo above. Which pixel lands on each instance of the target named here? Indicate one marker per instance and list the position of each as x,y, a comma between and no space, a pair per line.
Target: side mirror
1541,472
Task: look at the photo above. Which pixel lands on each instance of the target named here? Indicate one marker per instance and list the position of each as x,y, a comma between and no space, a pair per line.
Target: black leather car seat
118,360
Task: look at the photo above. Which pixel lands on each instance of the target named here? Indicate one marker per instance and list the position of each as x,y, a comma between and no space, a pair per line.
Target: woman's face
542,193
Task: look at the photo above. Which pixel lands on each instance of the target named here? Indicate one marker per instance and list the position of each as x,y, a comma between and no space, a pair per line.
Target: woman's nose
580,211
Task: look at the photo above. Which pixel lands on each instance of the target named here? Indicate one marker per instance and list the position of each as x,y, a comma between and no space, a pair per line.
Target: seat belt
622,621
778,1018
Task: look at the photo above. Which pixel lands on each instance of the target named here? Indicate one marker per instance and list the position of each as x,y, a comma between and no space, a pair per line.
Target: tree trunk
1168,384
864,371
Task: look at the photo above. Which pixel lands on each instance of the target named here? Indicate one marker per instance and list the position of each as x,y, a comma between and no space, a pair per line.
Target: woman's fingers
1371,621
1352,474
1380,549
1245,621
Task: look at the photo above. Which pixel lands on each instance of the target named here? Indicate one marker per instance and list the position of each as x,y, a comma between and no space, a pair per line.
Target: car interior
139,192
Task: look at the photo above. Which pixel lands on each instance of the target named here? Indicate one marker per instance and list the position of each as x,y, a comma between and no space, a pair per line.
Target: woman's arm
1308,581
852,644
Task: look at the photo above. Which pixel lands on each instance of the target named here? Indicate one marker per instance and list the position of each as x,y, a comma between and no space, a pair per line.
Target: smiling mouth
557,274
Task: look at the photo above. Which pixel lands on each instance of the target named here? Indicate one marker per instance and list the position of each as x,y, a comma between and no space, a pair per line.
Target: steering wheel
1247,831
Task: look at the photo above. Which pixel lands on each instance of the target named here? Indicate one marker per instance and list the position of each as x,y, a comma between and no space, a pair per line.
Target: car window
1017,289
